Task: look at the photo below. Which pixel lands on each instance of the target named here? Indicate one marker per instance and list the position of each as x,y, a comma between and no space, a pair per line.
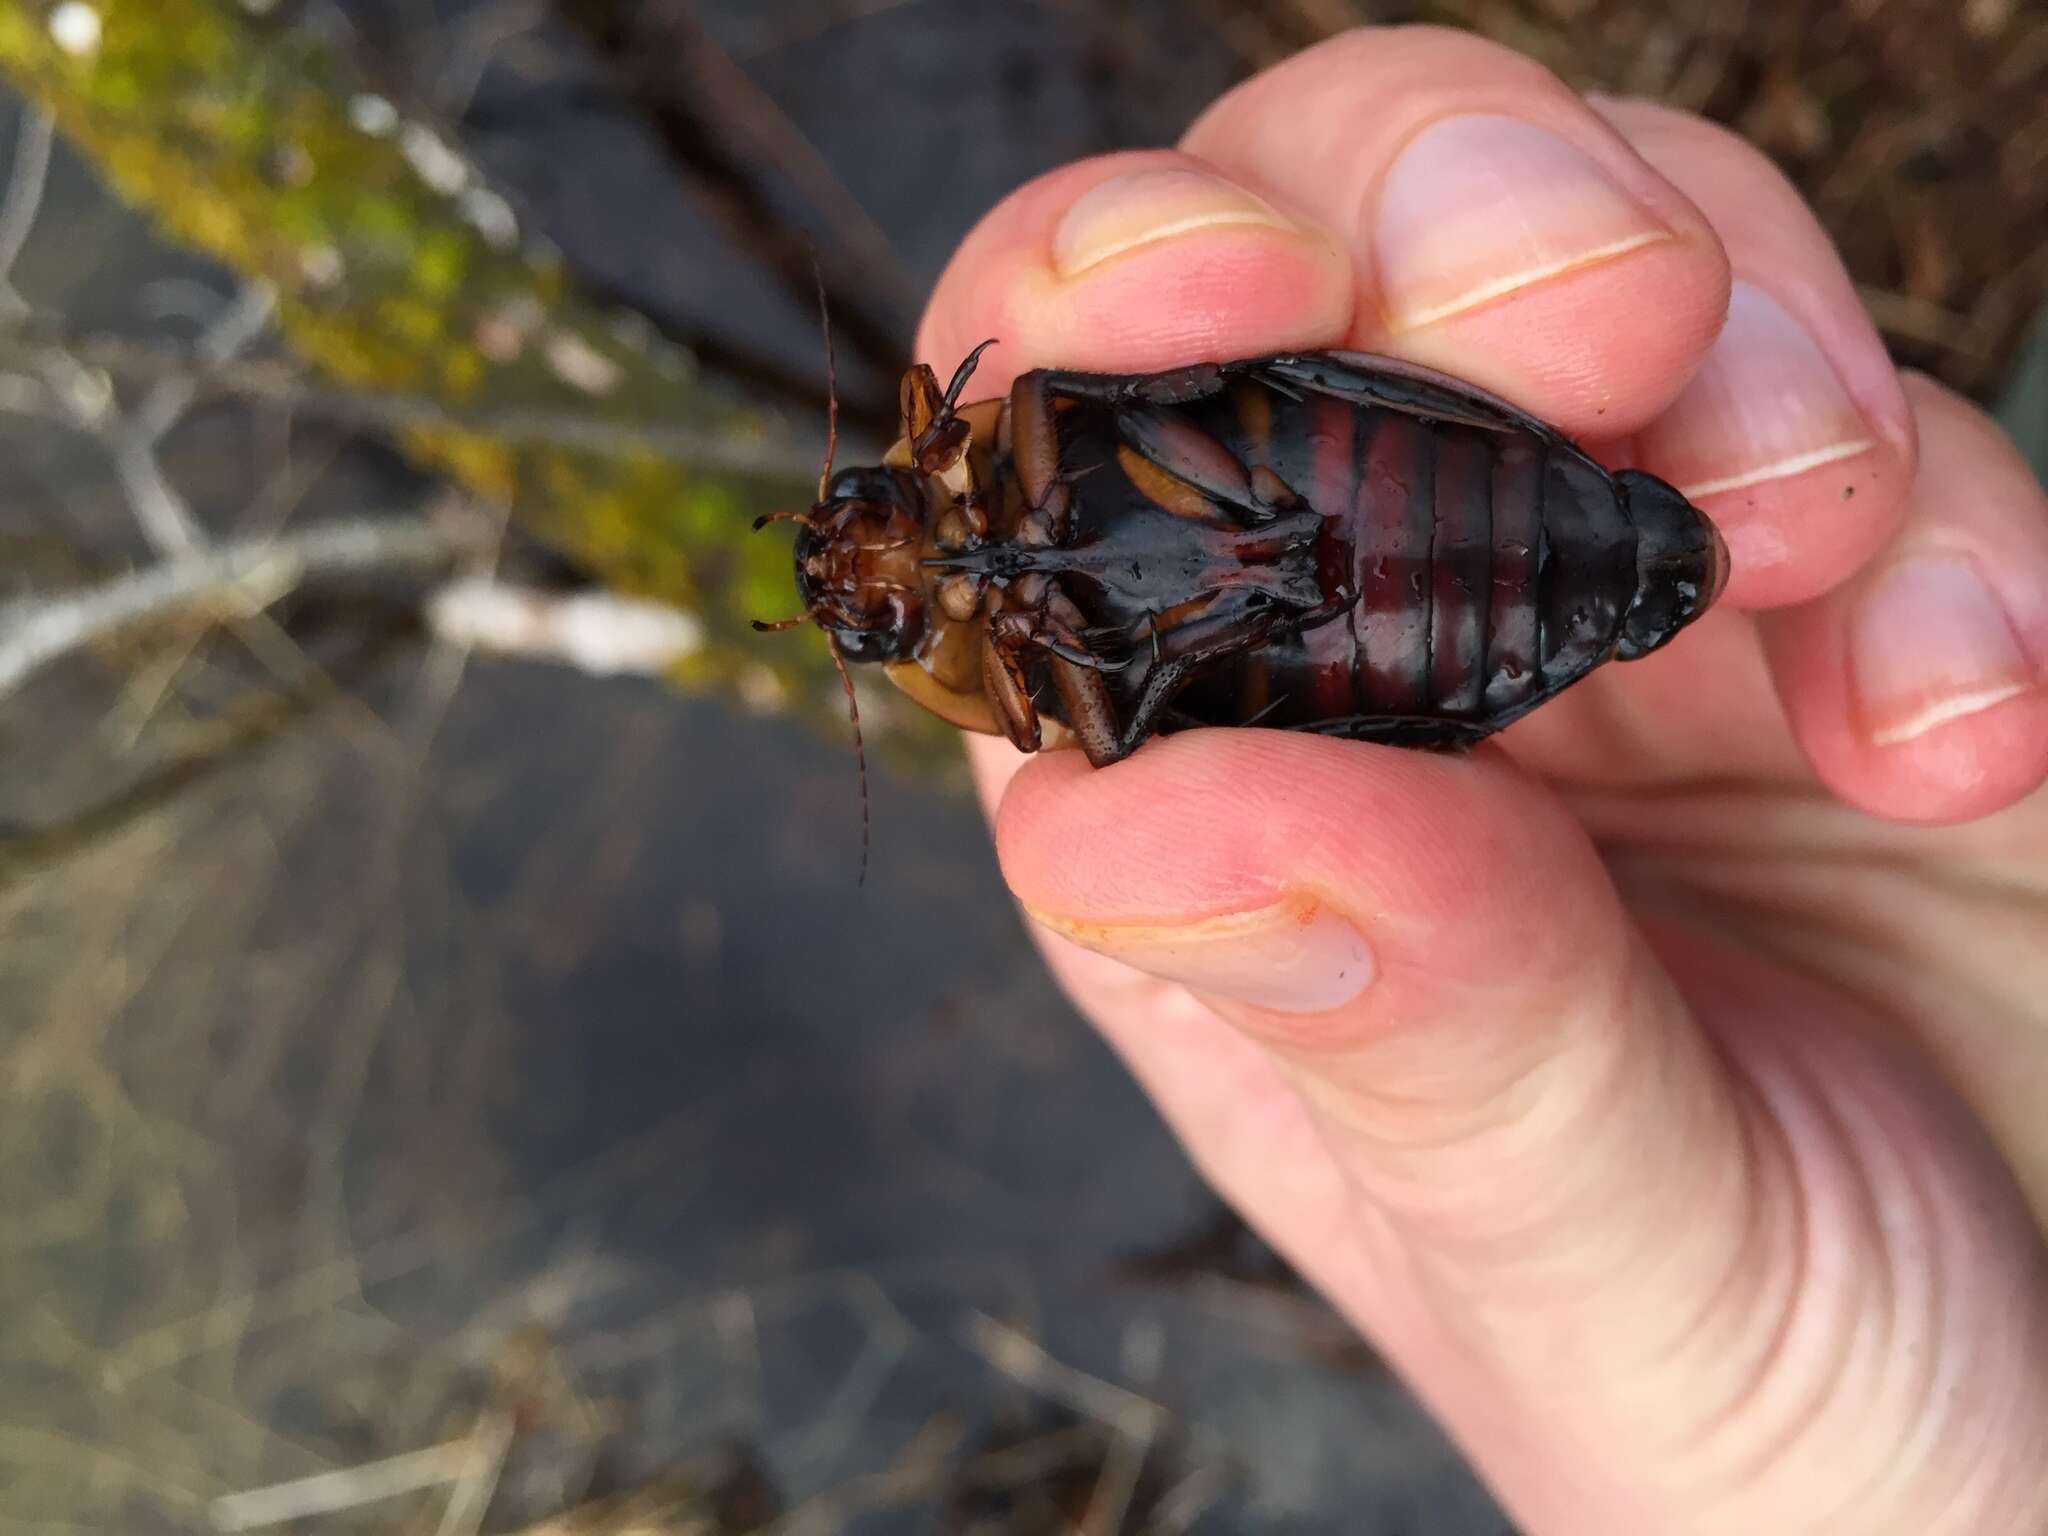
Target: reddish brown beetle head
857,567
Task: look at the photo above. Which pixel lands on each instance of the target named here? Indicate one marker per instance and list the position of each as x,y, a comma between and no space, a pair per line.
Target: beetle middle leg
1045,620
1038,616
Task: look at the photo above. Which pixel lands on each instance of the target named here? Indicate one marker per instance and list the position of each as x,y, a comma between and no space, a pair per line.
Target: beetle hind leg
1228,623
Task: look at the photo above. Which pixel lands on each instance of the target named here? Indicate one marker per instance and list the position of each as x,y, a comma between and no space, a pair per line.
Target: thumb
1651,1278
1434,954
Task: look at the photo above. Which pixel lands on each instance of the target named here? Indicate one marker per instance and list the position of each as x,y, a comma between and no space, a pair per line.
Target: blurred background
449,1081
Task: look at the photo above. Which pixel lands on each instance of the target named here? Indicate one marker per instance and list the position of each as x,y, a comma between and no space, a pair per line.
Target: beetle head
1681,564
857,567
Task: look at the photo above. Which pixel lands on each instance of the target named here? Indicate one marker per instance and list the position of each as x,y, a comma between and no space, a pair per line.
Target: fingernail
1765,405
1144,207
1478,207
1931,643
1295,957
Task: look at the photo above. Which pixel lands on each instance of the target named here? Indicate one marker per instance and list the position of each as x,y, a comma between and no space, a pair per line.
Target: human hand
1665,1091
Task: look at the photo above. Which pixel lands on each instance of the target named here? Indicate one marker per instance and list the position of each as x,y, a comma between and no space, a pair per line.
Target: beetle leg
1364,379
1060,632
1176,445
1071,648
940,447
1035,455
1020,630
965,372
1009,692
1271,494
1090,711
921,401
974,512
1179,386
1218,629
1034,444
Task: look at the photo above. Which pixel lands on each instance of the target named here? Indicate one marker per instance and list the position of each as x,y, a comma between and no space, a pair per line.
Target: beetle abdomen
1484,570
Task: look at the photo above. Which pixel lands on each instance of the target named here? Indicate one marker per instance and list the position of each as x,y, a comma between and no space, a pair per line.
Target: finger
1794,435
1920,690
1131,263
1239,1119
1501,230
1555,1178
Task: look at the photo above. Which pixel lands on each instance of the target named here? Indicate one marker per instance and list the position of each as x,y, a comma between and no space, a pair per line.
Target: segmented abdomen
1485,569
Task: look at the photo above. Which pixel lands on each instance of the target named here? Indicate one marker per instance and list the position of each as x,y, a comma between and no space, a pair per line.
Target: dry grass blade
346,1488
1136,1420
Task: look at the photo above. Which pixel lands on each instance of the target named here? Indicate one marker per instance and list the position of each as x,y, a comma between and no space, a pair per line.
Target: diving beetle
1320,541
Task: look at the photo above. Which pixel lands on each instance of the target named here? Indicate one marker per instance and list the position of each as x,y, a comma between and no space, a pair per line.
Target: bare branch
133,438
166,520
24,198
240,321
281,383
599,632
229,580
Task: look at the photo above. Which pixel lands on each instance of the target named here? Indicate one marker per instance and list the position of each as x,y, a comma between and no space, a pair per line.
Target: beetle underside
1324,541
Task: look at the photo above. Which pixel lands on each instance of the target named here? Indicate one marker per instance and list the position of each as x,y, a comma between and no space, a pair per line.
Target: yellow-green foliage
397,270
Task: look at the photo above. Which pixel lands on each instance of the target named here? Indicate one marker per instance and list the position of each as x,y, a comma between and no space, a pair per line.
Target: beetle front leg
1178,386
1035,455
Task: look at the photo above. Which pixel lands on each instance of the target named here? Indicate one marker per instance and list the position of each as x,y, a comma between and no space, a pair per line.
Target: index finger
1415,191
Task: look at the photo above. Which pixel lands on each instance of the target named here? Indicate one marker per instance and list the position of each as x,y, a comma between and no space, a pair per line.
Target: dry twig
228,580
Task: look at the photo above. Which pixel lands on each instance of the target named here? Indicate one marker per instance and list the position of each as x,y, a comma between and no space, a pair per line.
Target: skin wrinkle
1918,1258
1499,1229
1836,944
1815,1370
1394,1050
1882,975
1888,1193
1724,821
1925,1239
2020,1487
1777,1218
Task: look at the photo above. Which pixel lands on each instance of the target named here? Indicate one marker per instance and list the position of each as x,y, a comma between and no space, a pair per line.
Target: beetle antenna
831,379
965,372
780,517
765,627
860,755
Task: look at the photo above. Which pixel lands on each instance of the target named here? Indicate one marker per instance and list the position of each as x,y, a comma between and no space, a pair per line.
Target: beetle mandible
1322,541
